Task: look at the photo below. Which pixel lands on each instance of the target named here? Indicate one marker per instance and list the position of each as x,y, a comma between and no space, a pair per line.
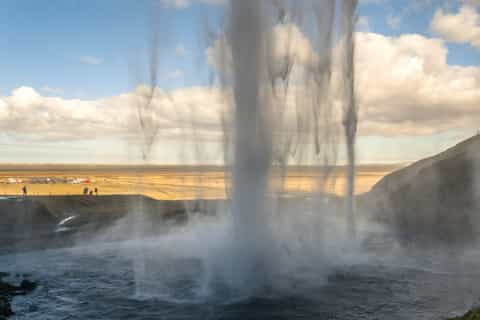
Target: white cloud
460,27
288,40
53,91
214,2
371,1
4,110
90,60
182,4
25,113
362,24
25,97
176,3
404,86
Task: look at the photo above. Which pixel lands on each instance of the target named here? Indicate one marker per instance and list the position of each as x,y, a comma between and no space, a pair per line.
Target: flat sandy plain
166,182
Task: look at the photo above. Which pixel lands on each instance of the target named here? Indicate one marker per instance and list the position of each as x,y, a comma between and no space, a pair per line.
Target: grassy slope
470,315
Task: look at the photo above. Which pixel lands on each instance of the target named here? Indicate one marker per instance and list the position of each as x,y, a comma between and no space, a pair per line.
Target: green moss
470,315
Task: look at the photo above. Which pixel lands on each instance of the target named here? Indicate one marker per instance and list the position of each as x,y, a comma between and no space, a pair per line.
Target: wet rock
27,286
433,201
8,291
5,308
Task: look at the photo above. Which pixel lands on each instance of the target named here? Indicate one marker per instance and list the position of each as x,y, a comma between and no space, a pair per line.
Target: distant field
165,182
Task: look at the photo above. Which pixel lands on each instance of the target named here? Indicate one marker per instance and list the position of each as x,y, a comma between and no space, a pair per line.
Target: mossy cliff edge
470,315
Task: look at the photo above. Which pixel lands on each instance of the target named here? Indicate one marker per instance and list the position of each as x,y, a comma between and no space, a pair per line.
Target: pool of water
99,282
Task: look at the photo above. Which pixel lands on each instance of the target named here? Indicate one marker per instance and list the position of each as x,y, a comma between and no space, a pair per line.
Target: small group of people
87,191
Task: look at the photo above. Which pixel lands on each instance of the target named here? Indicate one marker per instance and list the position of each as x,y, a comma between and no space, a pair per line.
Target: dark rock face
5,308
433,200
8,291
33,223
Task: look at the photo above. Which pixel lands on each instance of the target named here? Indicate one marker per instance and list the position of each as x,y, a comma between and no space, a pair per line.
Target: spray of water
145,100
271,85
281,109
252,147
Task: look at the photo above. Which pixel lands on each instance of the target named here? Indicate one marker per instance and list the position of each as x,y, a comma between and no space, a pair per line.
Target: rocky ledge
8,291
470,315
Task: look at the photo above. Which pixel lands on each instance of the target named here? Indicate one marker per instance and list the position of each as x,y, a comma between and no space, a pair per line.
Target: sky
69,70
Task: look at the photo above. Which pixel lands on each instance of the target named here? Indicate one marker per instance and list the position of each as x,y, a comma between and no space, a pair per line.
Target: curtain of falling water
350,109
146,102
272,121
252,132
264,135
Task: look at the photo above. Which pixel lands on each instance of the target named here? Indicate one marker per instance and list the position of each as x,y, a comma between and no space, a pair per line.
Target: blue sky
88,50
45,42
415,17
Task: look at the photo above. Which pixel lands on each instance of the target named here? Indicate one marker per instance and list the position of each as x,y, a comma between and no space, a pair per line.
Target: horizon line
400,163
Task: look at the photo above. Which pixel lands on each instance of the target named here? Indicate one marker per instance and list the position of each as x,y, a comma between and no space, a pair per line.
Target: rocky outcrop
39,222
433,200
8,291
5,308
470,315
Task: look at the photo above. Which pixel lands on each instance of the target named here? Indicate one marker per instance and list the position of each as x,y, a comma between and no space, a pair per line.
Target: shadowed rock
58,221
8,291
433,200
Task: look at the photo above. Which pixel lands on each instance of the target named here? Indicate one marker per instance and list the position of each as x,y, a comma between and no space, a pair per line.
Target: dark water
84,283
